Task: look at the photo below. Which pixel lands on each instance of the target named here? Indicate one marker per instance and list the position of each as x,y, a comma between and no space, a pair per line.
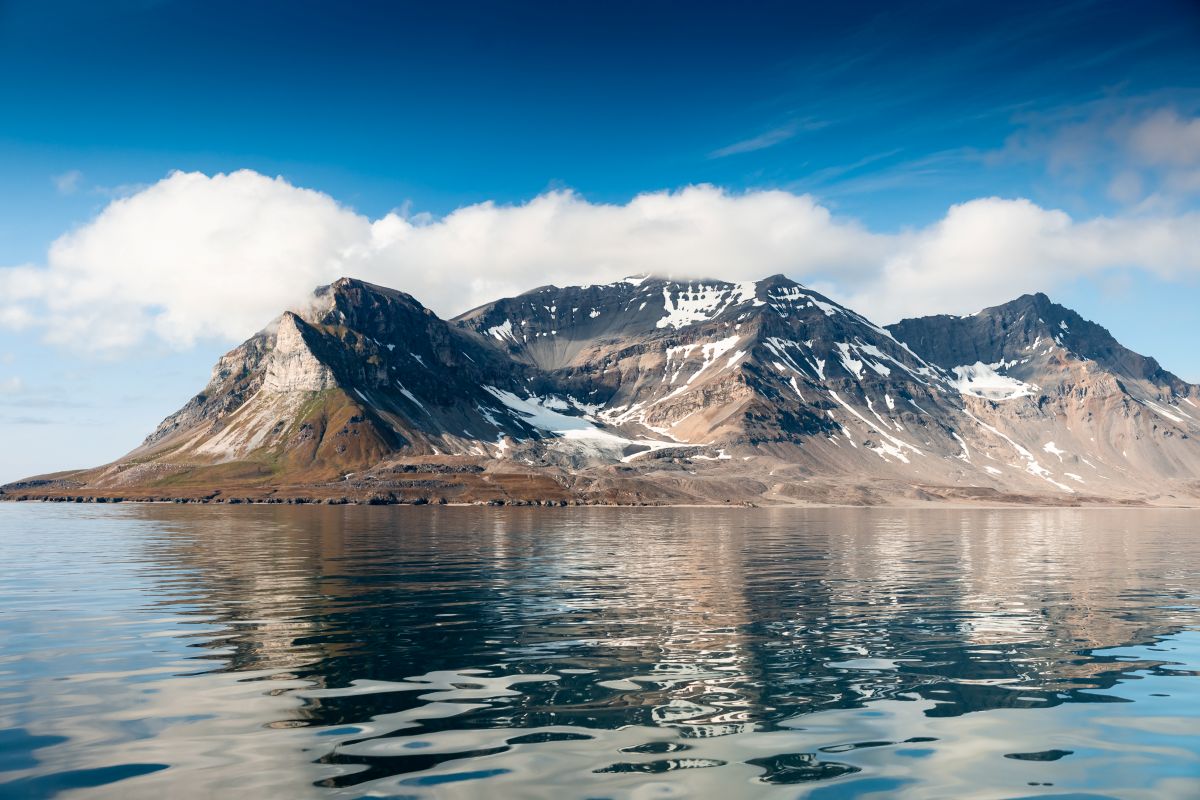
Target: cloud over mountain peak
198,256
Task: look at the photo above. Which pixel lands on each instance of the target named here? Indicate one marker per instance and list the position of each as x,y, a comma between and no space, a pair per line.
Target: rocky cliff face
1105,418
362,373
292,366
653,390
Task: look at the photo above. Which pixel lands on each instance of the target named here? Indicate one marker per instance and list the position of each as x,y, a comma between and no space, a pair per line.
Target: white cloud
760,142
485,251
1126,187
14,317
68,182
990,250
11,385
195,256
768,138
191,256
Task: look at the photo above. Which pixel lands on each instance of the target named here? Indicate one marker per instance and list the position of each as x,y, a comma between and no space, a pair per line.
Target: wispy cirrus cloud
74,182
768,138
25,420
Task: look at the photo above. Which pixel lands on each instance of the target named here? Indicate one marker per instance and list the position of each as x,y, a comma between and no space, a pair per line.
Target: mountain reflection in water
451,652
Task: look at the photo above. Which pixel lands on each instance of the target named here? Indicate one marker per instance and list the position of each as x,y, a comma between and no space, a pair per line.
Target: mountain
768,364
362,373
1048,377
651,390
1035,337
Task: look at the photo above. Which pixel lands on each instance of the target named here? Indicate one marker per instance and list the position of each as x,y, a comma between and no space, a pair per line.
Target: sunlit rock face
292,366
655,390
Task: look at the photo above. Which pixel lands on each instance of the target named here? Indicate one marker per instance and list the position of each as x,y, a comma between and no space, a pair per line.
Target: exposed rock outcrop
658,391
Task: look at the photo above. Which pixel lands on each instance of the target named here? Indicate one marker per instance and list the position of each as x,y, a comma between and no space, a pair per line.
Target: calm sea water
181,651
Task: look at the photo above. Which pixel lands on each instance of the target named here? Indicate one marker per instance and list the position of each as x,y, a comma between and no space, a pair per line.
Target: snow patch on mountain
1031,464
537,413
701,302
502,331
577,433
852,365
983,380
892,446
711,351
1156,408
412,397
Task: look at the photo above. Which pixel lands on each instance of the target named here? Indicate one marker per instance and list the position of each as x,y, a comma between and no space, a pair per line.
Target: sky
175,174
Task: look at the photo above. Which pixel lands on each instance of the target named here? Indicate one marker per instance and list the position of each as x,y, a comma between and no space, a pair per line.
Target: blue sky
887,114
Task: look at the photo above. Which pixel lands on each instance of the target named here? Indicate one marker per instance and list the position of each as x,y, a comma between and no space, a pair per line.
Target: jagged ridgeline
652,390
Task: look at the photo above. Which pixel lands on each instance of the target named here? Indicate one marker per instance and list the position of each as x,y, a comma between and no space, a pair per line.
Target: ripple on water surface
154,651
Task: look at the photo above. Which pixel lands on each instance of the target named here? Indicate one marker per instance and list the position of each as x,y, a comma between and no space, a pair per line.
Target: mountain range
655,391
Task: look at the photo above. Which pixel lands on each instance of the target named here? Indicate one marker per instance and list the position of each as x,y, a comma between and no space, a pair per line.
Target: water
181,651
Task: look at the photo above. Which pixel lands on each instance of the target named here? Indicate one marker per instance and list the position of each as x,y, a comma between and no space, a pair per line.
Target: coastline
1187,504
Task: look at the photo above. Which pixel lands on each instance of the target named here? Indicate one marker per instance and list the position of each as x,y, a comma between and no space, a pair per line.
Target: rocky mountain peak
359,304
778,281
686,389
1031,335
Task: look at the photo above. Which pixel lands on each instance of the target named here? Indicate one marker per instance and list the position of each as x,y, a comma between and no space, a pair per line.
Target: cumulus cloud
990,250
484,251
190,257
196,256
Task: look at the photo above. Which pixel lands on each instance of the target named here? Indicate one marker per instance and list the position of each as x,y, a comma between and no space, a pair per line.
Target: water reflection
598,652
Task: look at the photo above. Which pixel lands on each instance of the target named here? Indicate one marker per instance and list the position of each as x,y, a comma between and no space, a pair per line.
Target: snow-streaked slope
694,387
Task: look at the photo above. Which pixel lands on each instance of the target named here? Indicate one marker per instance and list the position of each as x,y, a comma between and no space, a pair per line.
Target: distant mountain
1031,335
650,390
1107,418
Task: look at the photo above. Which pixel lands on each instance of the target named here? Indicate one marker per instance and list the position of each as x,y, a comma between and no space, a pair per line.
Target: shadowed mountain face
708,361
1021,333
363,372
656,390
